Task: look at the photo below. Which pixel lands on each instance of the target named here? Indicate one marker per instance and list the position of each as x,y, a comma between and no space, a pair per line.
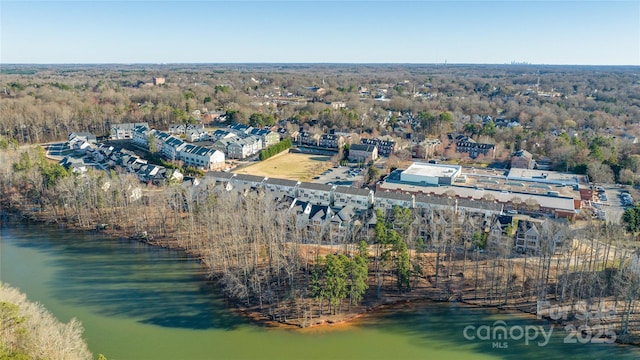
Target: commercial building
430,174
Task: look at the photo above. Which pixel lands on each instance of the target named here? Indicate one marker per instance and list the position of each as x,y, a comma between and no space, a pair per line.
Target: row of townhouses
338,140
174,148
235,142
191,132
103,157
333,195
240,141
466,145
339,210
385,147
319,210
326,141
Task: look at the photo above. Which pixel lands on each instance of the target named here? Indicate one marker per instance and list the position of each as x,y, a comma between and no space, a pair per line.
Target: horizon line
303,63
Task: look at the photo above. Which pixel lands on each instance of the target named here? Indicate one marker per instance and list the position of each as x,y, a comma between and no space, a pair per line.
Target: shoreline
322,323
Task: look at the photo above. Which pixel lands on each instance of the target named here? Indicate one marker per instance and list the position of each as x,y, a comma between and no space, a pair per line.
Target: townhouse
196,134
501,234
201,157
528,237
331,141
474,149
318,194
354,197
267,136
124,131
385,147
171,146
243,148
141,136
244,182
220,134
386,200
363,153
240,129
281,187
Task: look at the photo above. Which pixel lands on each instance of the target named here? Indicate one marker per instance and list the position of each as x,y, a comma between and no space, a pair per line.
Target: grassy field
291,166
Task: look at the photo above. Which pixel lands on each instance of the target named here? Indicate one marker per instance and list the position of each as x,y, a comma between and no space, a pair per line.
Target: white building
196,134
125,131
282,186
430,174
201,157
171,146
354,197
242,148
318,194
388,199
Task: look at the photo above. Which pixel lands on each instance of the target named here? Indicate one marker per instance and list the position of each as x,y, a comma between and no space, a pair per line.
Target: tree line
275,149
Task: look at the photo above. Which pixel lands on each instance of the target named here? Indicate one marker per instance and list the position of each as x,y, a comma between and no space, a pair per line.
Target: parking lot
614,196
343,175
612,200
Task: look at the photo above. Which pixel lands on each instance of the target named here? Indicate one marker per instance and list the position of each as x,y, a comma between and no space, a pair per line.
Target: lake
141,302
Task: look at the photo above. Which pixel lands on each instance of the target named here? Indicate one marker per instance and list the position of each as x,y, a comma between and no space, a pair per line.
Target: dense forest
581,118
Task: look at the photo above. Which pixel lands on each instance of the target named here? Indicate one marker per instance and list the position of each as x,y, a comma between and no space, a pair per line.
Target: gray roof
129,126
219,175
249,178
162,135
362,147
281,182
198,150
314,186
474,145
378,142
393,195
174,141
352,191
345,214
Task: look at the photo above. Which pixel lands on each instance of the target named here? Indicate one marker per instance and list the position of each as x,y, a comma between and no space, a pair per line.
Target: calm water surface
141,302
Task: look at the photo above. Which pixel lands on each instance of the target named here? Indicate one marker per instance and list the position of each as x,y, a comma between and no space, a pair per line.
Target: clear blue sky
495,32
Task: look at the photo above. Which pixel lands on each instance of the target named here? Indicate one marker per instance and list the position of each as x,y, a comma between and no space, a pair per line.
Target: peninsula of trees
29,331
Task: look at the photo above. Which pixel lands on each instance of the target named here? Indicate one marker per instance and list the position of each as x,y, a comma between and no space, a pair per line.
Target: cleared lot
291,166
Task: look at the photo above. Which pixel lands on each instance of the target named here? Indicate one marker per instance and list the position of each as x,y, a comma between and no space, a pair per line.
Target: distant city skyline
469,32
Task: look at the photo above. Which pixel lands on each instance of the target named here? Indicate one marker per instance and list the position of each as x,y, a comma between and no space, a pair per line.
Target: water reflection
119,278
155,303
443,324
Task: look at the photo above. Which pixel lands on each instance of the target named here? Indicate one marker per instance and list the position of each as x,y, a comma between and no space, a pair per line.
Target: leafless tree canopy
28,330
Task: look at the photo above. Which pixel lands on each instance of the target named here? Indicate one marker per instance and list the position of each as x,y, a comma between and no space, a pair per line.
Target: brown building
522,159
363,153
474,149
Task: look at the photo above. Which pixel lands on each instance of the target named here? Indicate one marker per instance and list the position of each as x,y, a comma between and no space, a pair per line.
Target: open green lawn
291,166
